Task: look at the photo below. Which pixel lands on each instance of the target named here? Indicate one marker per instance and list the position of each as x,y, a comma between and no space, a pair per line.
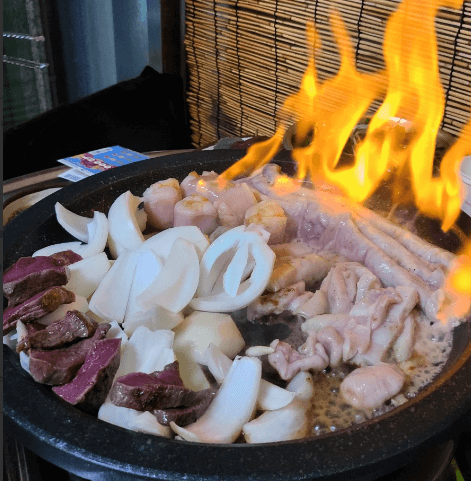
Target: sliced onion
123,225
249,290
232,407
110,299
162,242
287,423
74,224
156,318
176,283
97,234
270,396
147,268
235,270
86,275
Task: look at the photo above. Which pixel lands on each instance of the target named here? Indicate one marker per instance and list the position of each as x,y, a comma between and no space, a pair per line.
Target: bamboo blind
244,57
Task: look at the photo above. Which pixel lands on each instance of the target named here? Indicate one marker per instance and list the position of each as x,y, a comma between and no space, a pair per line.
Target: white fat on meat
287,299
310,268
432,274
208,185
347,283
288,362
271,217
318,304
370,386
233,203
386,334
404,344
198,211
159,202
291,249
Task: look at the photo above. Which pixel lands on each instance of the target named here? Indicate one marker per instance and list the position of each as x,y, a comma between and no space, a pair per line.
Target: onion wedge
176,283
289,422
97,235
232,407
86,275
162,242
110,299
250,289
74,224
270,396
124,229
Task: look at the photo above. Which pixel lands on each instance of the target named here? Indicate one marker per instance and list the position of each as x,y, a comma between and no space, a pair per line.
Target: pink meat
159,203
233,203
207,185
370,386
289,362
198,211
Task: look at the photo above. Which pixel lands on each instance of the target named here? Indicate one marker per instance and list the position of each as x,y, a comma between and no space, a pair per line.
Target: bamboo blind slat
245,57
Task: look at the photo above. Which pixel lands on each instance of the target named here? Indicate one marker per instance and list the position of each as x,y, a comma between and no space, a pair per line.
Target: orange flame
401,136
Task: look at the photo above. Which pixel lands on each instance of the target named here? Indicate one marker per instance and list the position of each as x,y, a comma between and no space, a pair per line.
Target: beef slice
59,366
89,388
73,326
31,275
38,306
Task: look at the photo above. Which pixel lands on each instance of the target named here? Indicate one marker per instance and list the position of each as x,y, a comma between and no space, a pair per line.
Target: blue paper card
103,159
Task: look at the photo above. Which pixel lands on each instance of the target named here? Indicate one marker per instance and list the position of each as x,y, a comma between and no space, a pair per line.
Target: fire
400,141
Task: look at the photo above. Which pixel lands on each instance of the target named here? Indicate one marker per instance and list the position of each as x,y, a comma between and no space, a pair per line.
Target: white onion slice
235,270
74,224
86,275
249,290
110,299
287,423
176,283
162,242
270,396
147,268
54,248
232,407
156,318
123,225
97,234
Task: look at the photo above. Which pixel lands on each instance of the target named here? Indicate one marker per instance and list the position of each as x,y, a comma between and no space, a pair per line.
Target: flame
399,145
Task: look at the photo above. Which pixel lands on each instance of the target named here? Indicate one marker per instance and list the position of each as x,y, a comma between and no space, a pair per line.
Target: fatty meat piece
287,299
291,249
233,203
370,386
288,362
271,217
59,366
207,185
159,203
431,274
36,307
198,211
384,336
31,275
89,388
73,326
310,268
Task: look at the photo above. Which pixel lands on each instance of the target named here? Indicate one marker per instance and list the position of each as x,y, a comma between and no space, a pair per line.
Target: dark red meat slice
30,275
38,306
185,415
73,326
89,388
162,393
59,366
